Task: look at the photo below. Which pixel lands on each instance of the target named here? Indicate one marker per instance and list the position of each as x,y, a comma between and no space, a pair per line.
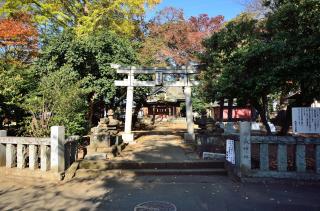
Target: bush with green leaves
58,100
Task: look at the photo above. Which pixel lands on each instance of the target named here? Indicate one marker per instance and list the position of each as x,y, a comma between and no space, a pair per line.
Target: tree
236,60
173,39
296,26
59,99
15,83
251,59
90,57
85,16
18,39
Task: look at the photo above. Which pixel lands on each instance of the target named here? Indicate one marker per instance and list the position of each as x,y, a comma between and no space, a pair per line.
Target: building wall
237,113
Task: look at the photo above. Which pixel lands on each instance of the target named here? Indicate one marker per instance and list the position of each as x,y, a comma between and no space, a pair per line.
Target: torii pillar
128,136
189,136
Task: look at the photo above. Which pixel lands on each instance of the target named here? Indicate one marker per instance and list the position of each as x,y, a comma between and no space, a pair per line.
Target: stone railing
243,155
54,154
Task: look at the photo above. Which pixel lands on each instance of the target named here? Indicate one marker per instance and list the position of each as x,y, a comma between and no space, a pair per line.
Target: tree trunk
136,112
221,110
91,110
287,121
230,107
262,112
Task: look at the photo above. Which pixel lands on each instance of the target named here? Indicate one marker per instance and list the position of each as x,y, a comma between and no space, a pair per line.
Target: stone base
128,138
189,137
96,156
93,150
31,175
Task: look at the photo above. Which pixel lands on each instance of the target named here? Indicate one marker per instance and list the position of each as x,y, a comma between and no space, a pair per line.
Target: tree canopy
84,16
250,58
173,39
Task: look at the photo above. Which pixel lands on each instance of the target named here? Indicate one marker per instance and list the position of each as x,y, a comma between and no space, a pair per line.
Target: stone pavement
163,144
115,191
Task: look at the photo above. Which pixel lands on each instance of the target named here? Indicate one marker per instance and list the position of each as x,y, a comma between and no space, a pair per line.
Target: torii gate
130,83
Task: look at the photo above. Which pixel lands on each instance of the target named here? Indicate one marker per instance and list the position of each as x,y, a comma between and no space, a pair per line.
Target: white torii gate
130,83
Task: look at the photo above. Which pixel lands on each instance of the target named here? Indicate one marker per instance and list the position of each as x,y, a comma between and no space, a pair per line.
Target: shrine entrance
178,78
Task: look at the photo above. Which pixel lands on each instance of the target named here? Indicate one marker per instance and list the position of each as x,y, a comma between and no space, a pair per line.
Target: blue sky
227,8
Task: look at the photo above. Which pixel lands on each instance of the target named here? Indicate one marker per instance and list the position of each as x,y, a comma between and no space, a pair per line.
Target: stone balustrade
54,154
243,155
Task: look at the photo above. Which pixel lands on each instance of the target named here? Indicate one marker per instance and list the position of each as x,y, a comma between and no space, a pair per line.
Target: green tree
295,27
90,58
251,59
238,64
58,100
15,83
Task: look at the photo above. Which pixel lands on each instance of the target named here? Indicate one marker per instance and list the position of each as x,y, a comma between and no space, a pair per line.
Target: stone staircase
94,168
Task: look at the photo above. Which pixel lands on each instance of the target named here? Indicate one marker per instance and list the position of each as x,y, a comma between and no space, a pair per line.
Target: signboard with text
230,154
306,120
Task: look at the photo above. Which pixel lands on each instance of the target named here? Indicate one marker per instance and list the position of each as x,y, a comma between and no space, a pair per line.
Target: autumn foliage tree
18,39
84,16
171,38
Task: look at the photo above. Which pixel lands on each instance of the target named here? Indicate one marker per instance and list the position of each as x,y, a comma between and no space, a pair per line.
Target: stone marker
57,149
245,147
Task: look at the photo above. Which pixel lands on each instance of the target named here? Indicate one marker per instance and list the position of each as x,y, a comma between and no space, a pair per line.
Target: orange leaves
17,31
181,38
18,39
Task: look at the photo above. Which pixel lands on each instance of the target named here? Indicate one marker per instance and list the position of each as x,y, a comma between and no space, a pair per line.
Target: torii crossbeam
131,82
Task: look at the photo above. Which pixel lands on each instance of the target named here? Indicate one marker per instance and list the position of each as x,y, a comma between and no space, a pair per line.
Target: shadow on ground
117,190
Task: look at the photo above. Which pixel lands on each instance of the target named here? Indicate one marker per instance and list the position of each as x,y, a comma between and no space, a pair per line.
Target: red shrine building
164,102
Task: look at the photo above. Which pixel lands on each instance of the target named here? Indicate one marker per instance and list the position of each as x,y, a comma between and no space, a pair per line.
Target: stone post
57,149
21,162
318,159
128,136
33,157
245,148
11,155
3,133
190,135
44,157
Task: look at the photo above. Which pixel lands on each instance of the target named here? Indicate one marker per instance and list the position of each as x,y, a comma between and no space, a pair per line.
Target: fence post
44,158
318,159
57,149
245,148
3,133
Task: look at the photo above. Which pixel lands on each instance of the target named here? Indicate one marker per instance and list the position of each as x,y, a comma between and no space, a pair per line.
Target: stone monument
103,137
209,137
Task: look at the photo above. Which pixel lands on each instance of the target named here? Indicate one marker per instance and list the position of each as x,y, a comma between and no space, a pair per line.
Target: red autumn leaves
182,38
18,35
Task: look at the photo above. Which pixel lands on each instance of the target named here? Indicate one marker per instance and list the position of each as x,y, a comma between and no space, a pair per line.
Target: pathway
163,144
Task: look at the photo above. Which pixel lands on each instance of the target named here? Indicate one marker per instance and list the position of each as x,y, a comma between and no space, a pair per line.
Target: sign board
230,154
306,120
159,78
213,156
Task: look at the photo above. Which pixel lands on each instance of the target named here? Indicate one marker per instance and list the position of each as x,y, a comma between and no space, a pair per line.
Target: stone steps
88,168
94,173
111,165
